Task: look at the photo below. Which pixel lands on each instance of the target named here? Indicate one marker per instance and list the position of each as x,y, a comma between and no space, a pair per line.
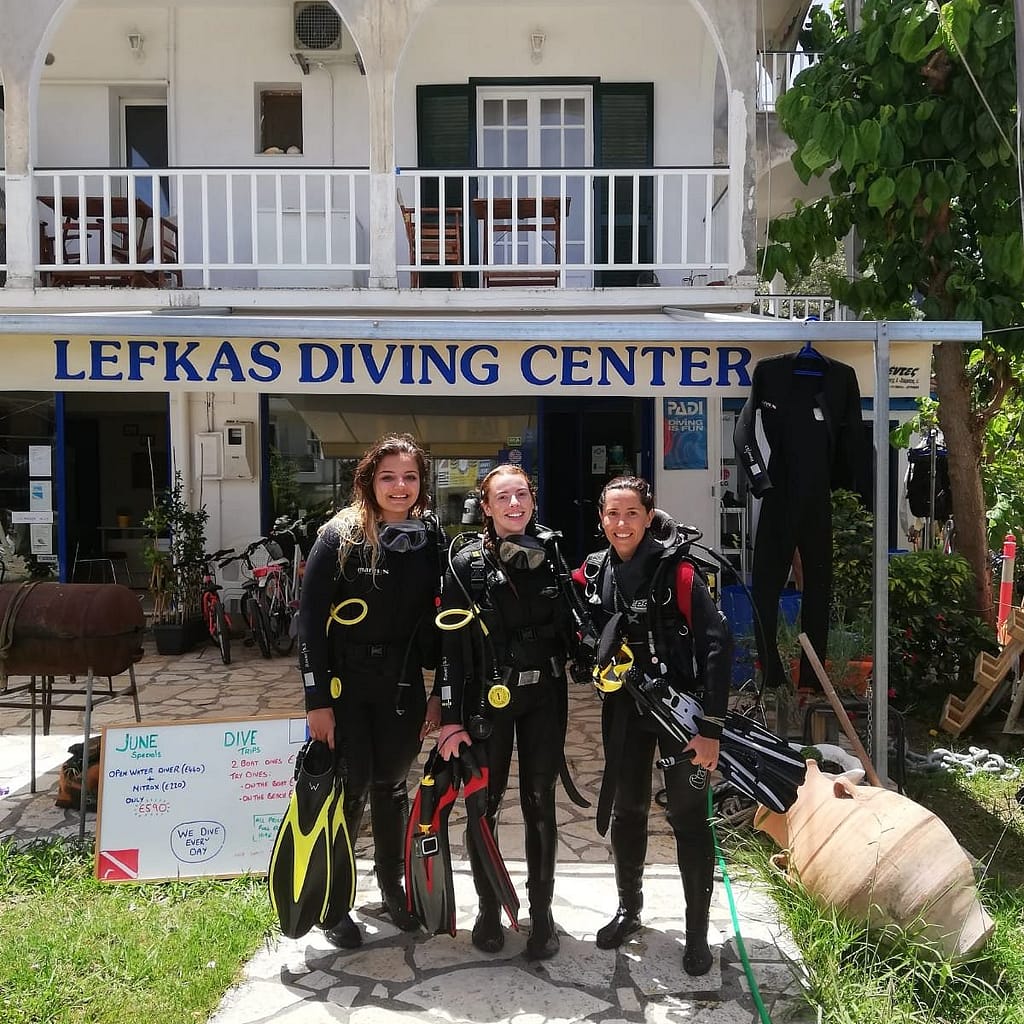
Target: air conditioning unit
317,27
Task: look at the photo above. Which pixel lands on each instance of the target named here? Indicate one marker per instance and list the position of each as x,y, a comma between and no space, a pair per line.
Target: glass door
549,127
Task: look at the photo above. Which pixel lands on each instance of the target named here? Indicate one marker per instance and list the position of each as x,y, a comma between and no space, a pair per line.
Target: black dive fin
300,876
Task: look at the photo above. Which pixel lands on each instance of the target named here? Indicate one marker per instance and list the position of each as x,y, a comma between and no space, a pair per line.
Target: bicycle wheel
257,618
281,621
223,636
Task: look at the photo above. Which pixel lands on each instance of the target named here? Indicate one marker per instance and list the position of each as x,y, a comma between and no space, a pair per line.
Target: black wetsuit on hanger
798,437
378,662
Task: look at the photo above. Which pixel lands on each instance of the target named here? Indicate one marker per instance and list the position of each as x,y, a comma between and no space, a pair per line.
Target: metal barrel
68,628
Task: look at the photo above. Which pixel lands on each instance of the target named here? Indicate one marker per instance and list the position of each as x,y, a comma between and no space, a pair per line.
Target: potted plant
174,553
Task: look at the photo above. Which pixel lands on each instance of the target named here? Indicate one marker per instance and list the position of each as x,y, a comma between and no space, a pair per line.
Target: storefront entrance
570,447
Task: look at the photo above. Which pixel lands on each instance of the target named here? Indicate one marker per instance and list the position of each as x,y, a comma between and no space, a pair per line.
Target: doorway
584,444
144,145
114,461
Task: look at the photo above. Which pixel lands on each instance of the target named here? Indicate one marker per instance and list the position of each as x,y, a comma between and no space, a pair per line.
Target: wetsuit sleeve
450,679
851,436
713,650
750,448
318,591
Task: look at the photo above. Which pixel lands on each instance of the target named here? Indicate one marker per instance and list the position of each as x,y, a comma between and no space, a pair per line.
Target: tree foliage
911,118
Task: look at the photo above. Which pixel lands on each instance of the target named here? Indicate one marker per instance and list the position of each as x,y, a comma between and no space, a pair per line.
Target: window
279,119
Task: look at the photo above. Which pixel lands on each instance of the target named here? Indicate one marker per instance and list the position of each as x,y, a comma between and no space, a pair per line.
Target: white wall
212,57
645,40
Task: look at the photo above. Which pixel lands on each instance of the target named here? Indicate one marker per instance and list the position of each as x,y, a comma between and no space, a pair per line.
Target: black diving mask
405,535
522,552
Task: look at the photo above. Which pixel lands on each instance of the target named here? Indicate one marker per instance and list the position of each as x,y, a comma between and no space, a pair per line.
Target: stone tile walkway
397,977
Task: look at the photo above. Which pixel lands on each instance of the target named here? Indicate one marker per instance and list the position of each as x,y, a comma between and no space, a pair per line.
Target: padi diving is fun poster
686,433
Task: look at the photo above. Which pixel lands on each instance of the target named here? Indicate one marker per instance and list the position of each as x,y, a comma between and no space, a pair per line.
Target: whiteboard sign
193,799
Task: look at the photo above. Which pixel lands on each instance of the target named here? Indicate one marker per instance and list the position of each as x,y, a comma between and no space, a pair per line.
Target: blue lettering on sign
526,364
406,363
136,360
62,372
101,355
226,359
486,372
176,362
260,358
692,363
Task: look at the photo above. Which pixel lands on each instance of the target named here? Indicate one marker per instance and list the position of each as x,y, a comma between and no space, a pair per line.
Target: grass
860,977
78,951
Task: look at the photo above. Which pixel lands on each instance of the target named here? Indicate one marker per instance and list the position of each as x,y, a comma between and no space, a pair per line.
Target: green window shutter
446,140
623,137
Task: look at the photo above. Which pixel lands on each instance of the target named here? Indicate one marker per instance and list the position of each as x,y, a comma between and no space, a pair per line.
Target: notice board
193,799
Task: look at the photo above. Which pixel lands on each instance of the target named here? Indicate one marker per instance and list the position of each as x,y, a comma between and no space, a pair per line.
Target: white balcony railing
776,71
204,227
798,307
669,225
303,228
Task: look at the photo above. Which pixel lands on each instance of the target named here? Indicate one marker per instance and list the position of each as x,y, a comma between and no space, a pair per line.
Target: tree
912,119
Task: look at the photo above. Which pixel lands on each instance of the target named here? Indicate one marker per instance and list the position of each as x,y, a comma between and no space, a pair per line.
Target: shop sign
421,367
686,433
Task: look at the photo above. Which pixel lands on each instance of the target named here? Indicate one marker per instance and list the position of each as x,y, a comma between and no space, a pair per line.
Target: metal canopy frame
659,327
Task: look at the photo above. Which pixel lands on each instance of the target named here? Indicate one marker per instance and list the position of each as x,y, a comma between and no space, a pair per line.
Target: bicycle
275,596
215,615
253,612
284,581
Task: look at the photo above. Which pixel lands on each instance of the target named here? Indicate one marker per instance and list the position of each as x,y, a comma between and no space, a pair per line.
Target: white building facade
243,239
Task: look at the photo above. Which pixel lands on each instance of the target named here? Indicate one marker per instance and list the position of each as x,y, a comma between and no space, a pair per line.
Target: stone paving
397,977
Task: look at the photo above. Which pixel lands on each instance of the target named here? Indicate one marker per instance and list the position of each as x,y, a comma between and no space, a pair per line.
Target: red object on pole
1006,579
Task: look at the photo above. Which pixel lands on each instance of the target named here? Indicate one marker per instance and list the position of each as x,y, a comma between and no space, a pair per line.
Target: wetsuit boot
389,808
697,871
344,932
541,841
543,941
629,851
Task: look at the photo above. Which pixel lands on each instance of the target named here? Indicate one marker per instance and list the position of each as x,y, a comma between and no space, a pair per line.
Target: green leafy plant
852,557
174,553
935,633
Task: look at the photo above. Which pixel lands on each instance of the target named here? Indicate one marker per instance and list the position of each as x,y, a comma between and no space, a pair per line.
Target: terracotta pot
855,676
882,859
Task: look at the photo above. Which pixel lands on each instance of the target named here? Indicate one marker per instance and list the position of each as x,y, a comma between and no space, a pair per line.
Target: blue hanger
809,352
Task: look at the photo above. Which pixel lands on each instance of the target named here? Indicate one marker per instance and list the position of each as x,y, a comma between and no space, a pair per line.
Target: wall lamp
303,63
136,42
537,38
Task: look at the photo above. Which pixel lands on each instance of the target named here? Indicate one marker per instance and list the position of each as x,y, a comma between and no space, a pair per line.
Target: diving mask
522,551
404,535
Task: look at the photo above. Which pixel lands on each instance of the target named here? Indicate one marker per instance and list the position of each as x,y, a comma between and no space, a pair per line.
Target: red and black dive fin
480,842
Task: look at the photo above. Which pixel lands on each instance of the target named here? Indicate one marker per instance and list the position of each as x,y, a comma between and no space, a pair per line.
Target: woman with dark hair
503,679
680,643
366,631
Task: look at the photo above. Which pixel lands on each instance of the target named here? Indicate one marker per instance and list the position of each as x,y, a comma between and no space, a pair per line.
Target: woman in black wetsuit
640,575
511,687
366,631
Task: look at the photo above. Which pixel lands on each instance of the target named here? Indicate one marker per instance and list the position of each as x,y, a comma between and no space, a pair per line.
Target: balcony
312,228
775,72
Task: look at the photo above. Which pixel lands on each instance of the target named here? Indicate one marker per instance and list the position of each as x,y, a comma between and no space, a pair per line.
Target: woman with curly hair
366,632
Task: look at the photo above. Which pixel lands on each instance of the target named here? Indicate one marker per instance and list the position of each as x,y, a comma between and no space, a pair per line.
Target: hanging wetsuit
799,437
692,657
511,689
378,662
